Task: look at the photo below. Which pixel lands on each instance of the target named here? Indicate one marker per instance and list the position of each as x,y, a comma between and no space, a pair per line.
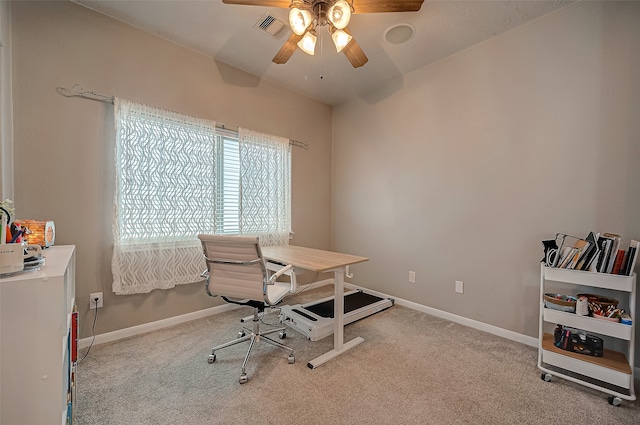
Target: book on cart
632,256
613,251
590,254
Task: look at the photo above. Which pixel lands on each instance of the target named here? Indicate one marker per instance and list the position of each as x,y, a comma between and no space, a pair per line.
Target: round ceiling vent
398,34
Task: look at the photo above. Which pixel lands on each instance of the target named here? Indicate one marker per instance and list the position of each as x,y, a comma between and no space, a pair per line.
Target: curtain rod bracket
296,143
78,91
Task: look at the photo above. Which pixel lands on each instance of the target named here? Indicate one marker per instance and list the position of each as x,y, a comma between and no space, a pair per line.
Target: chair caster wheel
546,377
291,359
241,334
212,358
243,378
614,401
282,335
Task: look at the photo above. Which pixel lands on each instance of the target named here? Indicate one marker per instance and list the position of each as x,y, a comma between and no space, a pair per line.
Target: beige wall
459,171
64,146
456,172
6,112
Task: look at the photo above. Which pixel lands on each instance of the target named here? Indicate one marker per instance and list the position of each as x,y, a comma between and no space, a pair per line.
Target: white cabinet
36,312
613,372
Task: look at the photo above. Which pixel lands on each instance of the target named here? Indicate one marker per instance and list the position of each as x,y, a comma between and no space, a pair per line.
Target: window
177,176
228,211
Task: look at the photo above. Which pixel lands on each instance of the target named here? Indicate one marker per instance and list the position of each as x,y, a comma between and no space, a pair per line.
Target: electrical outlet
412,277
459,286
92,300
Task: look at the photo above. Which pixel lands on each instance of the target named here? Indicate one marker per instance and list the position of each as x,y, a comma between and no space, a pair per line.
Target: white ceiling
227,34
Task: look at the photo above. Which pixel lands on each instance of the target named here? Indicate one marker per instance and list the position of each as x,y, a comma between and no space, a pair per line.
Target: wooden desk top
316,260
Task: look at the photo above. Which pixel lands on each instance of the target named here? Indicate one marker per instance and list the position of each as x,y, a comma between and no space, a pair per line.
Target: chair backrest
236,266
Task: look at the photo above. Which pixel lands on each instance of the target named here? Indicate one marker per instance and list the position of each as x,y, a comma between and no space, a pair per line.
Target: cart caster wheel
615,401
212,358
241,334
243,378
291,359
282,335
546,377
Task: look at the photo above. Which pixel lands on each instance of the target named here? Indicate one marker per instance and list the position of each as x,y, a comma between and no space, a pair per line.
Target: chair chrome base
254,335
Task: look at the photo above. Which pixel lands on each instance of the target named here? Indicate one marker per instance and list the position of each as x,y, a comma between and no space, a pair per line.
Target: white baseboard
152,326
164,323
504,333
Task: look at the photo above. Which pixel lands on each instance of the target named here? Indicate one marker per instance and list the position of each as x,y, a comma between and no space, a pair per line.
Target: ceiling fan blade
354,53
287,49
379,6
266,3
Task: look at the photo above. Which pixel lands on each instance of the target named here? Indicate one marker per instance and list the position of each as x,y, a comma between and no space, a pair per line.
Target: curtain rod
77,91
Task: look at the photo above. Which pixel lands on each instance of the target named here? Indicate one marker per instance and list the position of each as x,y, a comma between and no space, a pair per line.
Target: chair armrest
279,273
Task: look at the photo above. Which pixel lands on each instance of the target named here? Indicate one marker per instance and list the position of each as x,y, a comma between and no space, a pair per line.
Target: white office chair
236,272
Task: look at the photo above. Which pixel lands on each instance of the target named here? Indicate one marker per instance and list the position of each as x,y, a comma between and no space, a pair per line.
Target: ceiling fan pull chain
321,56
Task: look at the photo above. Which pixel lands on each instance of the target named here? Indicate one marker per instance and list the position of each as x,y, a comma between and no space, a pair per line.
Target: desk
320,261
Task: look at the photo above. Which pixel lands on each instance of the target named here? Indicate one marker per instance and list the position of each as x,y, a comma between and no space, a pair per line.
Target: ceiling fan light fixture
340,14
299,20
341,39
308,43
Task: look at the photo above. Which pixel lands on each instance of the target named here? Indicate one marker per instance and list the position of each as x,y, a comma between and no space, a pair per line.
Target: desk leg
338,325
338,310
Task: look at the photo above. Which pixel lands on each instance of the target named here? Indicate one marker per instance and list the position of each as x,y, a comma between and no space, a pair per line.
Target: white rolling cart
613,372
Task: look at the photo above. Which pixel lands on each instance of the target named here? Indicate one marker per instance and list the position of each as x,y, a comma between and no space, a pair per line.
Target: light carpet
413,368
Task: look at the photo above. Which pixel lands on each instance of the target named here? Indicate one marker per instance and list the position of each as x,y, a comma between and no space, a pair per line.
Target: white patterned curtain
164,197
176,176
265,187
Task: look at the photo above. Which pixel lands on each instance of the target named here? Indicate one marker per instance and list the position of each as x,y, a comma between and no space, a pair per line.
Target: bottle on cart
557,335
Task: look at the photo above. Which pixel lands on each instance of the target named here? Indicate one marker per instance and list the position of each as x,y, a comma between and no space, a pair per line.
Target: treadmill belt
351,302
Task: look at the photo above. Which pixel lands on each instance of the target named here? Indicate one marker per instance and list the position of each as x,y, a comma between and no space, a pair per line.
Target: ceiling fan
306,16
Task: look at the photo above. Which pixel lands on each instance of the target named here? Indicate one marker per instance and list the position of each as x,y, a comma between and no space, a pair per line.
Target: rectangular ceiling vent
271,26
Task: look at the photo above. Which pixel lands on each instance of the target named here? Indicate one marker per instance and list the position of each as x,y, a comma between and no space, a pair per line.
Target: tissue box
43,233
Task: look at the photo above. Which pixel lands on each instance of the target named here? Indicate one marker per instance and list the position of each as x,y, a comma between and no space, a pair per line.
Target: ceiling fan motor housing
322,8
